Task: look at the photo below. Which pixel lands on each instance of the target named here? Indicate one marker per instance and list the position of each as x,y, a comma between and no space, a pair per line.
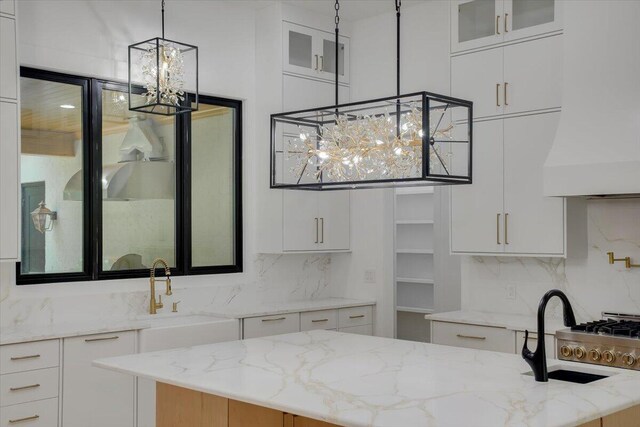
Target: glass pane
329,56
528,13
476,20
213,186
300,49
51,172
138,186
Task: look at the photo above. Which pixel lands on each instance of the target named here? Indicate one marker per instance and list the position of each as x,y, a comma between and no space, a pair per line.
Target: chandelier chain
162,18
337,70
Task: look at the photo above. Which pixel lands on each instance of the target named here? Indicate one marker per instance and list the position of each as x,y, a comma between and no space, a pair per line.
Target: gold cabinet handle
317,232
31,356
273,319
506,26
471,337
356,316
24,387
506,229
319,320
115,337
506,85
498,24
316,62
321,230
497,94
19,420
498,229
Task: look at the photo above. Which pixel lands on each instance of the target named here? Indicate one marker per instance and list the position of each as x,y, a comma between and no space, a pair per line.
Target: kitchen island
319,377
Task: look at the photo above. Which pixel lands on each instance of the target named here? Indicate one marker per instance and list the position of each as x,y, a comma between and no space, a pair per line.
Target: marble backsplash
269,279
590,282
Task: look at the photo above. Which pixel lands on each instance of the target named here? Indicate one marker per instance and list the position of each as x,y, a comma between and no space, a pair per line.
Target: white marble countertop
26,333
356,380
515,322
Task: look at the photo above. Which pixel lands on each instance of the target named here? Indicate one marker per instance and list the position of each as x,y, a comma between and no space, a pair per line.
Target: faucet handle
159,304
525,348
175,307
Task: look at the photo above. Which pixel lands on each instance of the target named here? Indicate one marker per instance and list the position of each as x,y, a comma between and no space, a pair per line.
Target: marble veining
356,380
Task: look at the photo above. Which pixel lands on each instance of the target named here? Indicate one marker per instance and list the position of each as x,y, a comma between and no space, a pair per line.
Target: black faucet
538,359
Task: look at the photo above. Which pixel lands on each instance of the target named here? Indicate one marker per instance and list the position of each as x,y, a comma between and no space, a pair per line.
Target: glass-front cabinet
312,53
479,23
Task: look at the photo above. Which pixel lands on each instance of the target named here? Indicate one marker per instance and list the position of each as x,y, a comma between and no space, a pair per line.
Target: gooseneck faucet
153,304
538,359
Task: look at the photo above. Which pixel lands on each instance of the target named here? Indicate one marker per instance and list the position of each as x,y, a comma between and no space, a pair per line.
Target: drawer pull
115,337
356,316
24,387
19,420
319,320
32,356
274,319
471,337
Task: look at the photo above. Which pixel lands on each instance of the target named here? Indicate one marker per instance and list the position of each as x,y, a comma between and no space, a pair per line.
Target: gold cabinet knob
608,356
594,355
566,351
629,359
580,352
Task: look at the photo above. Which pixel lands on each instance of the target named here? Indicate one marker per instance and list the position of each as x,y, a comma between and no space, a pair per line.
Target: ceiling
351,10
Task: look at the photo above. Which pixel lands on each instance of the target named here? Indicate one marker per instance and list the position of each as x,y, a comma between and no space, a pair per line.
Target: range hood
596,151
143,173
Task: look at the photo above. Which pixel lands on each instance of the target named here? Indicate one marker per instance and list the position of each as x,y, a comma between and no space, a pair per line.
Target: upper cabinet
8,7
9,59
312,53
481,23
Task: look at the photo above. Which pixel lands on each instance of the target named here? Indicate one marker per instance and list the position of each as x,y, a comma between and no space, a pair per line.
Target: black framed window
126,187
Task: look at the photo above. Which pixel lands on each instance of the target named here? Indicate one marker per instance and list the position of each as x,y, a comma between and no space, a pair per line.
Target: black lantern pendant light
166,70
414,139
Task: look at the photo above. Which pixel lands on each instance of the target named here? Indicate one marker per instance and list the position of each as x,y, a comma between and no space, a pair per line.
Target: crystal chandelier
405,140
165,70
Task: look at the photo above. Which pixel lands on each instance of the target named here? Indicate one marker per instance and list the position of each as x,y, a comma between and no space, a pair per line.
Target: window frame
92,192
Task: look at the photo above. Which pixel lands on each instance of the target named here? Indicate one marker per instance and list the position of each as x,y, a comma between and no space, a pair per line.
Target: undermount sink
583,376
166,332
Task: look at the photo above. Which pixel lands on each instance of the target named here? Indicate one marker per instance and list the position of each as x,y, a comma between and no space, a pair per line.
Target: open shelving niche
414,263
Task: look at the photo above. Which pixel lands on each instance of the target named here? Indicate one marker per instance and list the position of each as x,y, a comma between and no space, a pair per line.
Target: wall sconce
43,218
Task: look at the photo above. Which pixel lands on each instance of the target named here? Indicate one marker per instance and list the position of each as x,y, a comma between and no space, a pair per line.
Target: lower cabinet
490,338
40,413
94,397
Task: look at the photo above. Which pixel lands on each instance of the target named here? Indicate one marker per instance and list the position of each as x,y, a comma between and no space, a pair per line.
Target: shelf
414,221
412,280
414,251
415,310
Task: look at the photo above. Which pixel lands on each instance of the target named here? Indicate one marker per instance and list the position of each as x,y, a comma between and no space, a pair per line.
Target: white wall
424,66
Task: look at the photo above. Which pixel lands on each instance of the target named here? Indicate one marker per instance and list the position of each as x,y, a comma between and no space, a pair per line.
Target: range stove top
612,341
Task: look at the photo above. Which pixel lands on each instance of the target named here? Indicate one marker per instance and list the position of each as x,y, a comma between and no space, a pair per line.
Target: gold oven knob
580,352
608,356
594,355
629,359
566,351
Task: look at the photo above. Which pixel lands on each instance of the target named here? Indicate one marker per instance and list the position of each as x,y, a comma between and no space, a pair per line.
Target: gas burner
626,328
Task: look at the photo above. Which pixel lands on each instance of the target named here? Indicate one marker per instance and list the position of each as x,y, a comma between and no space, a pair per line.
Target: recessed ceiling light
68,106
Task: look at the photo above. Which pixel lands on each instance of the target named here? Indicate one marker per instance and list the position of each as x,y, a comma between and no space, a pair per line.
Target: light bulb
303,136
323,155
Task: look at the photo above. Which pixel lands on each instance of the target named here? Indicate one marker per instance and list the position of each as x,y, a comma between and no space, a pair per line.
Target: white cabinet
9,157
514,79
8,59
311,53
481,23
473,336
94,397
8,7
40,413
505,211
255,327
321,319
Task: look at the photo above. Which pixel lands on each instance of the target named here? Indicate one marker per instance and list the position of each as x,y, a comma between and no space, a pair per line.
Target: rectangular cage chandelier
401,141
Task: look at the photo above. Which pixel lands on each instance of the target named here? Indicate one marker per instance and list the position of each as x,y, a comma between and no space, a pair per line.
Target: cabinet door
8,59
9,213
534,224
300,53
301,224
533,75
476,209
334,211
94,397
476,23
8,7
328,57
525,18
478,77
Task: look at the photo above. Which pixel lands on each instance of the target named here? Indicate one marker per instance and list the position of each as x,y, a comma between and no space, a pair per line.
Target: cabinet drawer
43,413
28,386
29,356
549,343
473,336
360,330
264,326
355,316
322,319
